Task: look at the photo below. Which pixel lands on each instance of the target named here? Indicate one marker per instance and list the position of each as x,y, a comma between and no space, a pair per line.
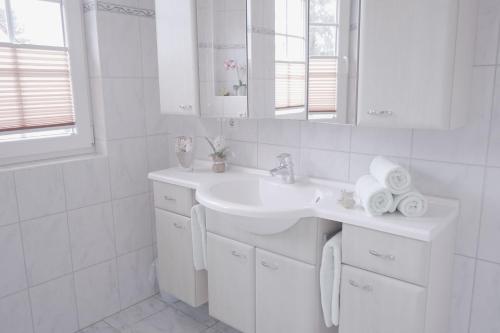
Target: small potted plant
220,153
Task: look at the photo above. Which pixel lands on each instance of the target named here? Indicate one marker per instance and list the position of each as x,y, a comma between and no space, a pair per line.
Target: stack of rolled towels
388,188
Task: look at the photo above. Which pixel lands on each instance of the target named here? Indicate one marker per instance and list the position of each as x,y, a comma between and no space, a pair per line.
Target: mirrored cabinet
384,63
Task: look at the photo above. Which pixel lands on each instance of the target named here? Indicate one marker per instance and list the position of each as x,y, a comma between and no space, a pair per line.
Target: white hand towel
374,197
199,237
329,280
393,176
411,204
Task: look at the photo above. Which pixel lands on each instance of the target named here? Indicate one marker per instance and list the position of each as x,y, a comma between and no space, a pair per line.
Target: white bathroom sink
262,204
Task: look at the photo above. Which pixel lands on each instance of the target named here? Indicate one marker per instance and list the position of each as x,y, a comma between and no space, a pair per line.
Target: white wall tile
463,280
134,275
279,132
133,222
494,147
243,153
86,182
13,276
124,108
92,235
119,44
486,302
128,167
467,144
97,292
359,165
54,306
488,24
156,123
148,47
489,237
325,136
462,182
377,141
158,154
8,200
15,314
47,248
325,164
40,191
241,129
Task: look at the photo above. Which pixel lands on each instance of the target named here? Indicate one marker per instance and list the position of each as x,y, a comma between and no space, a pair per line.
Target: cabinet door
287,298
373,303
231,282
406,58
177,56
176,273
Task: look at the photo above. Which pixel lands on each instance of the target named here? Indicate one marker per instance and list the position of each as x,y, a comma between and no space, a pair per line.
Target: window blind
290,84
322,84
35,87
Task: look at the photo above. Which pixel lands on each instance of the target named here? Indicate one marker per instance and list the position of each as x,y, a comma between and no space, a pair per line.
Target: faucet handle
284,158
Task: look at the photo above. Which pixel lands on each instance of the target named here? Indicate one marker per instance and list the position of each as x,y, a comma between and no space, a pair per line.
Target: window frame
83,141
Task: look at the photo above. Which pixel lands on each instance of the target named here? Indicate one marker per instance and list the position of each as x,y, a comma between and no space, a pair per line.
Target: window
44,95
323,58
290,56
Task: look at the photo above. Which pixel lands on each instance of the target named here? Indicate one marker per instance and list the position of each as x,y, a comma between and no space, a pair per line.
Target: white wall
77,237
463,164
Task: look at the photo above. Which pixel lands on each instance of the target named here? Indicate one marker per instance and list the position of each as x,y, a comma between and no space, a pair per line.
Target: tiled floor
157,316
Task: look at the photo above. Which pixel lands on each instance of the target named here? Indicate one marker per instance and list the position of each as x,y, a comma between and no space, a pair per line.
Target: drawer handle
269,265
366,287
238,255
178,226
380,113
389,257
166,197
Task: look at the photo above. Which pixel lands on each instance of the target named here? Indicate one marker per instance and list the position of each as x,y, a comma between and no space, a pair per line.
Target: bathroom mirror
222,56
311,59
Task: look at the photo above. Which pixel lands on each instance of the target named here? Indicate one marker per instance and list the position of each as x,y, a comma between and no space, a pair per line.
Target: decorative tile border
261,30
118,9
209,45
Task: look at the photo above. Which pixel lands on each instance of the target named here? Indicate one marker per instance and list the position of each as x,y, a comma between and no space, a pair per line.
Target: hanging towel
393,176
329,279
411,204
374,197
199,237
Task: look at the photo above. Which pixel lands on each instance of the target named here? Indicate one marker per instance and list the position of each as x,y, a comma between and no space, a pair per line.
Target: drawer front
173,198
231,282
372,303
390,255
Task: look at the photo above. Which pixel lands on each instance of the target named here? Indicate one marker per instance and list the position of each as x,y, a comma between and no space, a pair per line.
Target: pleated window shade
322,84
289,84
35,87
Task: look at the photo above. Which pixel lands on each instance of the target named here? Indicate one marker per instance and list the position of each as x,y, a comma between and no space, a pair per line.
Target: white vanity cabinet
393,284
176,273
415,63
177,56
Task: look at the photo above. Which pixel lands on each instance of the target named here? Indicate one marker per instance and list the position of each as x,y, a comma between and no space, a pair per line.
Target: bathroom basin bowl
261,205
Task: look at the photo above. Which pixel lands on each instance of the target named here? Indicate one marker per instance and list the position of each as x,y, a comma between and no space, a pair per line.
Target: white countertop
441,211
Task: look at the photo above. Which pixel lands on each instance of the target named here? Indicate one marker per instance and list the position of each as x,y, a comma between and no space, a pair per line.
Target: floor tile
136,313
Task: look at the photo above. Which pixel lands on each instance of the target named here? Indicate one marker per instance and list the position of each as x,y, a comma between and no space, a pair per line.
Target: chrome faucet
285,169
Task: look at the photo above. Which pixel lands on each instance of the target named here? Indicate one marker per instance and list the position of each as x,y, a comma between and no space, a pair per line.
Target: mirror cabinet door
222,56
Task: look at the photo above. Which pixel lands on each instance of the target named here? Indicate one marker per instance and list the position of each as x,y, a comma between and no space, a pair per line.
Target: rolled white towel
393,176
374,197
411,204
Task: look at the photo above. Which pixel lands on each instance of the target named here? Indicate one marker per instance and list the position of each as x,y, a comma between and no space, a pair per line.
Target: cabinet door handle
166,197
178,226
366,287
380,113
238,255
269,265
388,257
